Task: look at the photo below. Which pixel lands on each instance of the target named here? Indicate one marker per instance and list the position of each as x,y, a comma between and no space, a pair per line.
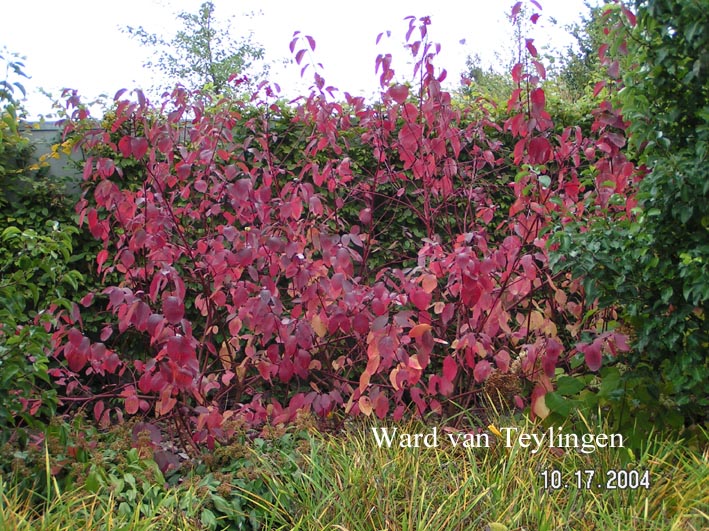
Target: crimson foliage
253,267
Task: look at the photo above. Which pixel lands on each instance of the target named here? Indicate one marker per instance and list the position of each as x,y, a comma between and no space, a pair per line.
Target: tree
655,265
578,69
201,54
666,99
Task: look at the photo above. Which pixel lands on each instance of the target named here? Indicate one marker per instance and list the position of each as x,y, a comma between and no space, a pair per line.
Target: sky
79,43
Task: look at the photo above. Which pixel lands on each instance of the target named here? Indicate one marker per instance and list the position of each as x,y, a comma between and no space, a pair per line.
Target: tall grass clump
348,482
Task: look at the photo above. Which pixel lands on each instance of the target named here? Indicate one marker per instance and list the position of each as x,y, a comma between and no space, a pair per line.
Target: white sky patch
79,44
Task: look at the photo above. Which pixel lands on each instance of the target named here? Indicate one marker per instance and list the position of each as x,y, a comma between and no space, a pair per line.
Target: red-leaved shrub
335,255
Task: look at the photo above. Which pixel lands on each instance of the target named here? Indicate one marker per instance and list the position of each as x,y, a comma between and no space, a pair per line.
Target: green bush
35,278
37,239
654,265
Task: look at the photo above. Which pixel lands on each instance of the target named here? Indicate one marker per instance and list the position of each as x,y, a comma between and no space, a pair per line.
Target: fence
66,167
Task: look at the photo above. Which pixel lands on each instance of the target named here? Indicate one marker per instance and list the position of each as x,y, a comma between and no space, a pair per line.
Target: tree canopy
202,53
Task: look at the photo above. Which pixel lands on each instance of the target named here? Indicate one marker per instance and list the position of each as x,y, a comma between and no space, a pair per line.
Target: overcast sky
79,43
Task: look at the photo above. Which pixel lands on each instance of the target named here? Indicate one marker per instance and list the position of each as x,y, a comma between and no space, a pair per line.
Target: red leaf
553,350
132,404
360,323
105,420
592,354
516,9
418,330
386,347
619,342
416,397
614,70
105,167
381,405
429,283
143,428
421,299
180,350
615,138
141,97
540,151
315,205
87,300
598,87
450,368
538,102
365,405
448,312
531,49
106,332
318,177
299,56
164,144
264,369
124,145
76,358
502,360
399,93
111,362
629,15
127,258
183,169
35,407
343,263
296,207
541,71
174,310
517,73
98,409
166,402
138,146
602,49
285,371
482,370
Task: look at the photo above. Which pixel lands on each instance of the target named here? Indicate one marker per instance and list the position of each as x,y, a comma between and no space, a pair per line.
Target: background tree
579,68
202,54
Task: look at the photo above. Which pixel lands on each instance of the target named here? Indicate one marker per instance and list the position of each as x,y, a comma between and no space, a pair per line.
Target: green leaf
558,404
208,519
92,483
10,232
567,385
221,505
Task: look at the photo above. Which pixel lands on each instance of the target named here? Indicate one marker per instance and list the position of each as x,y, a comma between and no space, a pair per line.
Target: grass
346,482
79,510
349,483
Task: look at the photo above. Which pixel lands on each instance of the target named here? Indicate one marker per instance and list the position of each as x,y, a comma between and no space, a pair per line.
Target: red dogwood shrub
252,273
